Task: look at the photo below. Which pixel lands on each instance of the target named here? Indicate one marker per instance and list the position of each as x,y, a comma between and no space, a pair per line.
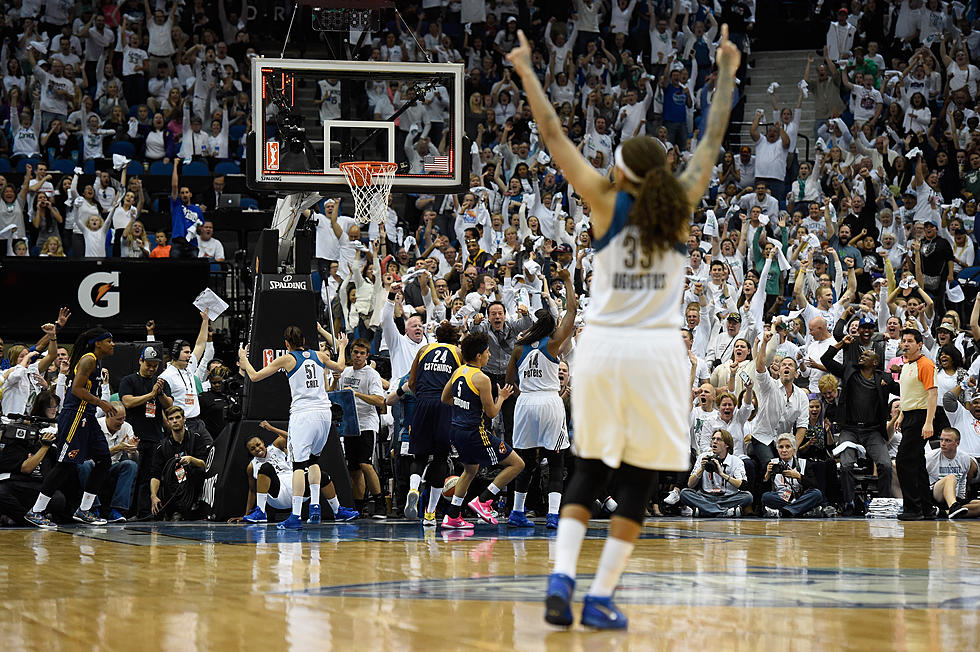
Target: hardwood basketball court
719,584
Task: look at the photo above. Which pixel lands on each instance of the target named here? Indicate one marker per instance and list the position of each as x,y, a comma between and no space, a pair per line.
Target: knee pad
590,479
636,486
302,466
267,470
314,459
436,472
556,471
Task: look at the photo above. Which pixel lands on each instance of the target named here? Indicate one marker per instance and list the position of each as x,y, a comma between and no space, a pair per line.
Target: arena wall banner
120,294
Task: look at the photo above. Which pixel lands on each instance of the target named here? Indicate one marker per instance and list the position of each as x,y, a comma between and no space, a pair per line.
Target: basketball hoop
370,184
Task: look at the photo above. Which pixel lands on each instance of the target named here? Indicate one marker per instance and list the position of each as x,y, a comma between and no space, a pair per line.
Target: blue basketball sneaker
558,602
40,520
255,516
292,523
518,519
88,516
551,521
314,518
345,514
115,516
601,613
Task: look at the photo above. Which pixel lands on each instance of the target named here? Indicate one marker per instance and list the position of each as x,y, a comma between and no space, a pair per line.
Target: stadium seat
248,203
135,168
89,167
161,168
63,165
4,165
24,162
195,169
123,148
227,167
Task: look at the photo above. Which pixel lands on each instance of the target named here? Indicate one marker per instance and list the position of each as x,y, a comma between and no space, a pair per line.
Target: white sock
435,493
314,494
297,505
414,482
260,500
554,502
493,489
87,501
41,503
457,500
615,554
519,501
334,504
568,542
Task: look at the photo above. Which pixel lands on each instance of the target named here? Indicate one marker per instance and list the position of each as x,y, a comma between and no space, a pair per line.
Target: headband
627,172
98,338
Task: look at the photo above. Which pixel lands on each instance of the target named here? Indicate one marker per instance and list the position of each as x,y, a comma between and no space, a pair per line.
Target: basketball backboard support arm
287,216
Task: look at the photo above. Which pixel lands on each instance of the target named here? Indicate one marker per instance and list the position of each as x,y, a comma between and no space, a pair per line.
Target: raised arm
593,187
698,172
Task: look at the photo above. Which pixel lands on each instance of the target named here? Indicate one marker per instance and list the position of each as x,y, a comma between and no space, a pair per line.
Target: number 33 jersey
632,288
307,385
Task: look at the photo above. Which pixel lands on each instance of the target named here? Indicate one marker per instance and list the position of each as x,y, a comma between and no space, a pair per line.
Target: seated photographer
23,464
949,472
178,469
793,491
122,472
721,476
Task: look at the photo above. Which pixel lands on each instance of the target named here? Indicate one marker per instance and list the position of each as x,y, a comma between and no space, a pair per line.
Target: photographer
23,464
792,492
721,476
178,469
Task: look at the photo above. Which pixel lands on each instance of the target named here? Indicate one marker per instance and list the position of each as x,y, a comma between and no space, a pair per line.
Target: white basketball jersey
307,385
276,458
537,371
330,93
632,288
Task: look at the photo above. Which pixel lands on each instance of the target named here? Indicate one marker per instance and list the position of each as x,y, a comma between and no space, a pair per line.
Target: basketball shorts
631,399
539,421
479,446
79,437
432,426
359,450
308,432
281,492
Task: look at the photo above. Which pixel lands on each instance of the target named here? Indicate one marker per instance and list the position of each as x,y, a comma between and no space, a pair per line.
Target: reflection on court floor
832,588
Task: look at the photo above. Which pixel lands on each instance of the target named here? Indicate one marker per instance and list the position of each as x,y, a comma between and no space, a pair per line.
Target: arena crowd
831,310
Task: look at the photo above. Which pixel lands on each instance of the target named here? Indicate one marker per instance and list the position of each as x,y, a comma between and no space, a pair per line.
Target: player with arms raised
630,412
309,413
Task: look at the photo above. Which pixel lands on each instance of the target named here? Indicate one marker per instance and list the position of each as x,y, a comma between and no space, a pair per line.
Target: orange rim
361,173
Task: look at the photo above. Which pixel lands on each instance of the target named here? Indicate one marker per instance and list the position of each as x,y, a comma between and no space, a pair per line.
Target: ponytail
661,211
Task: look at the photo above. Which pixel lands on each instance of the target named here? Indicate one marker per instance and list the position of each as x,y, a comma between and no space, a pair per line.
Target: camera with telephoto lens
712,463
780,467
22,429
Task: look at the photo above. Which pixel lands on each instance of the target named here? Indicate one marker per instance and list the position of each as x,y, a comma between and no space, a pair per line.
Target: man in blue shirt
184,216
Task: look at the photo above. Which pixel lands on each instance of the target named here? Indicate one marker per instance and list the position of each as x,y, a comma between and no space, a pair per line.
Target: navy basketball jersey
437,363
467,405
93,385
631,287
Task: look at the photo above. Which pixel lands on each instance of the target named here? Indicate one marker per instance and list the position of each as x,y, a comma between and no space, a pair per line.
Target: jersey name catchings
438,367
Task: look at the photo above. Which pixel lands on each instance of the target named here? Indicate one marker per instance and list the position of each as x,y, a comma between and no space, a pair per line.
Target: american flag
436,164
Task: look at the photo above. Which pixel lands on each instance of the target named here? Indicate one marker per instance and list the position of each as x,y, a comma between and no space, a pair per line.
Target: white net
370,184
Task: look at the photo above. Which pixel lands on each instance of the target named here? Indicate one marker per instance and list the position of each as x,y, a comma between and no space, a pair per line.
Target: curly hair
661,211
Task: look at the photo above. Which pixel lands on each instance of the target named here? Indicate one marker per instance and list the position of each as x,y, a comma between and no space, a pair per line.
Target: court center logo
98,294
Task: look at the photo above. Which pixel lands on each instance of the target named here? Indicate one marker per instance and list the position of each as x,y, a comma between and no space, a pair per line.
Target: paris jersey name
537,370
633,288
